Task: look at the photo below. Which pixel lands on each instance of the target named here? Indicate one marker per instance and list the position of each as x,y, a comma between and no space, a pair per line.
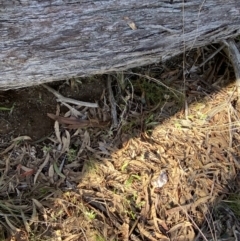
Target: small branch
234,56
211,56
112,102
63,99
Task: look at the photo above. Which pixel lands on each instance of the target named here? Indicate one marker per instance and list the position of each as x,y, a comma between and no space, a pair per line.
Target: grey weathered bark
49,40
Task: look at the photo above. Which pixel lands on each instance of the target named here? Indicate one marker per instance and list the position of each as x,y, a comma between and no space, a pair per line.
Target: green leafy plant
233,202
90,214
99,238
130,180
10,109
124,166
71,155
47,149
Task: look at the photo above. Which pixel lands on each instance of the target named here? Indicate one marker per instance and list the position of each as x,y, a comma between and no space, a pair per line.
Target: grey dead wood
234,56
44,41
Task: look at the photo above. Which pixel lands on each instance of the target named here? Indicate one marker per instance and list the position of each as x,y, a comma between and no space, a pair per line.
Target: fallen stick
234,57
63,99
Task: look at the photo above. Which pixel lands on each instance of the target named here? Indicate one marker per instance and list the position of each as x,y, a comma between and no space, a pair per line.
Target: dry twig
61,98
234,56
112,102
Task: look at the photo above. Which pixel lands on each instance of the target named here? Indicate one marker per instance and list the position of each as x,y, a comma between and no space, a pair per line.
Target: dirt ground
23,112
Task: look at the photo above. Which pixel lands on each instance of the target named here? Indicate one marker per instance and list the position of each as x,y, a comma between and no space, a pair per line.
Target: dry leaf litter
161,172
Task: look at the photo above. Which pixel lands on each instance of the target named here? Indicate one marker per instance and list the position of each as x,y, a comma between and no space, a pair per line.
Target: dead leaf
41,167
12,227
27,171
26,224
57,170
51,173
34,216
72,237
146,233
66,142
75,123
58,235
85,142
125,231
15,141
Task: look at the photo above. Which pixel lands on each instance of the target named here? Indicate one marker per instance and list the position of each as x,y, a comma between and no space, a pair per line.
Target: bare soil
31,105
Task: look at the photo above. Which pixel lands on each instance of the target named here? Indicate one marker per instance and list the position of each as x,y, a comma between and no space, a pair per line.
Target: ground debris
162,171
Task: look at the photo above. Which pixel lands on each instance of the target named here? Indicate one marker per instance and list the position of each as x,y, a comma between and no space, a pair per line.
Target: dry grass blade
125,231
26,224
147,234
73,237
12,227
57,170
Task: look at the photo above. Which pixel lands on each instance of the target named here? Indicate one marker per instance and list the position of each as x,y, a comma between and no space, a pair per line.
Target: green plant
90,166
124,166
141,204
129,125
90,214
10,109
130,180
131,214
47,149
99,238
71,155
178,125
233,202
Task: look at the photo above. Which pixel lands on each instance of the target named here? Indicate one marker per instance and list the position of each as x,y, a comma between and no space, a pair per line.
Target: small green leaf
124,166
57,170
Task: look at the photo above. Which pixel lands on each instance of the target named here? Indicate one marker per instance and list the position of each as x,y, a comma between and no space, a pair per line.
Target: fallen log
51,40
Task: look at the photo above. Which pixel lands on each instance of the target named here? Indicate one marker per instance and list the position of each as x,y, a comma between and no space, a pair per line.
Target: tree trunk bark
50,40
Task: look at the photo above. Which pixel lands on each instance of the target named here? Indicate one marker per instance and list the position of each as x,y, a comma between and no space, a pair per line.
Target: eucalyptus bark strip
51,40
